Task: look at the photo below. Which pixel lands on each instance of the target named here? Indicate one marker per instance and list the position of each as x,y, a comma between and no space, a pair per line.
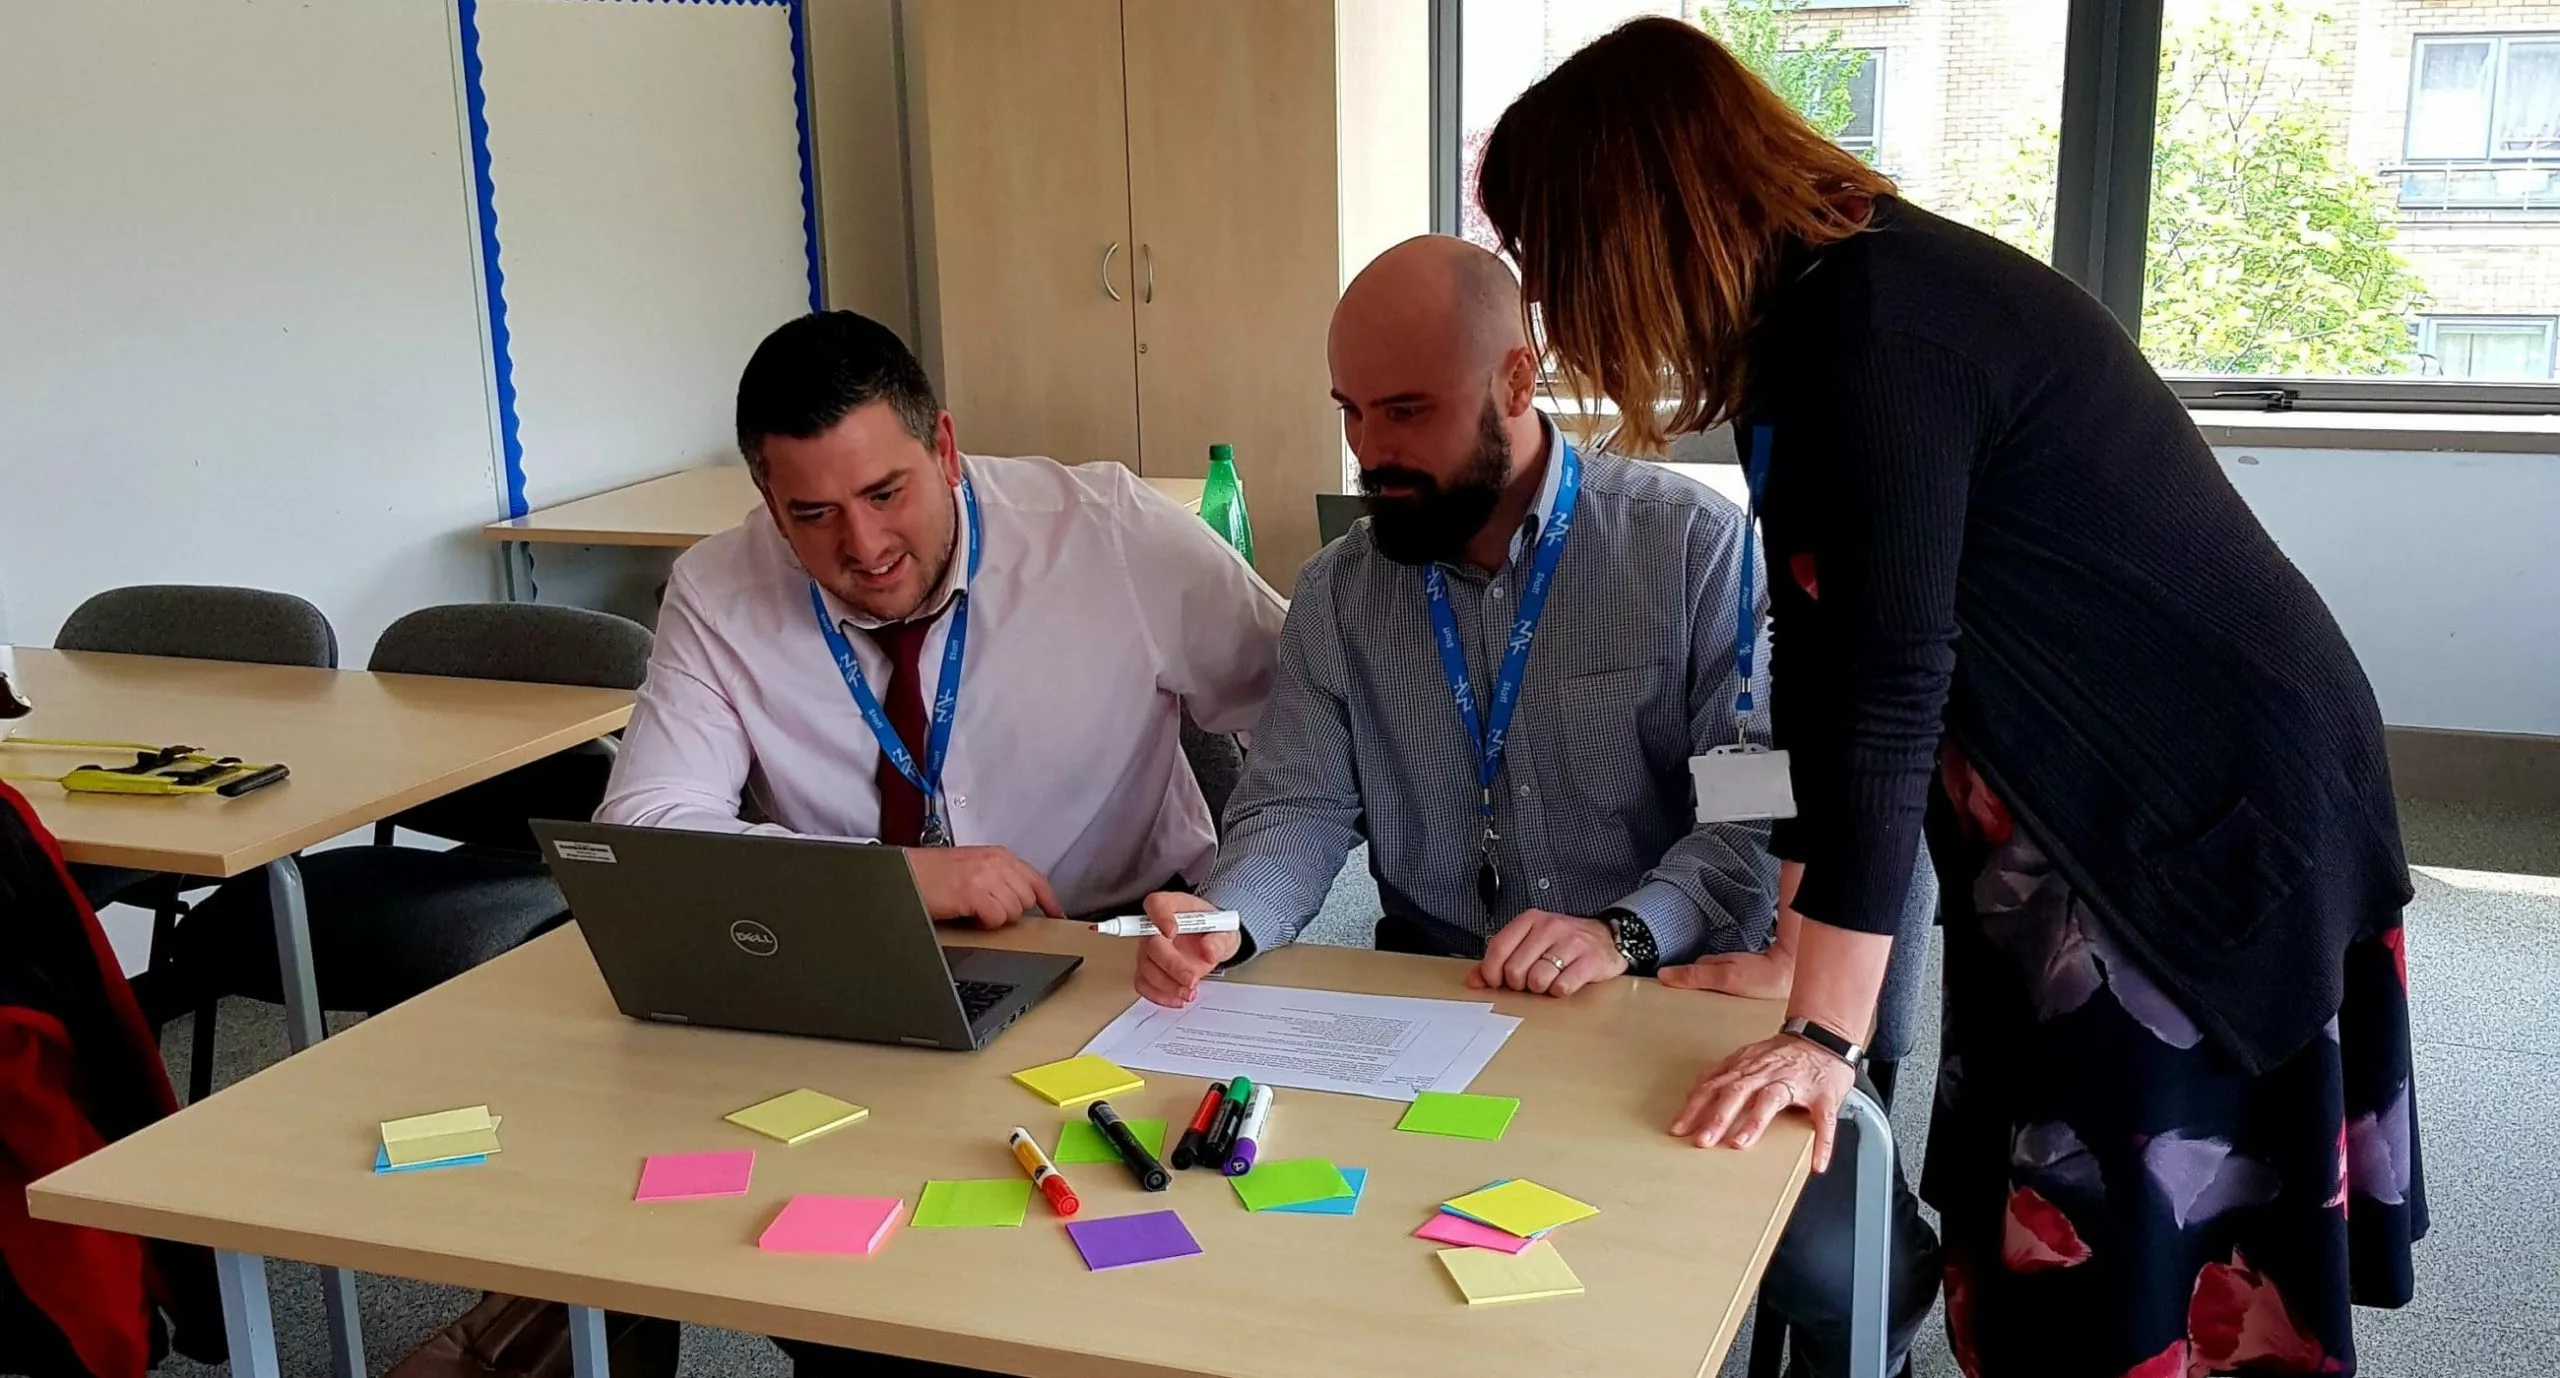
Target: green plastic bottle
1222,502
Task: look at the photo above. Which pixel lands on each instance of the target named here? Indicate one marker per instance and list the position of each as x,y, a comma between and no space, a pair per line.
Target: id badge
1742,783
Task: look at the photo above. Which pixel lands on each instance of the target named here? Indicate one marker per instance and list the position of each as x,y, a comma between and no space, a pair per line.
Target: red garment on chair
79,1068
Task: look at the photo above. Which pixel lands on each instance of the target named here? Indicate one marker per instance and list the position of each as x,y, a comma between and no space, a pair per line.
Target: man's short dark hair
815,371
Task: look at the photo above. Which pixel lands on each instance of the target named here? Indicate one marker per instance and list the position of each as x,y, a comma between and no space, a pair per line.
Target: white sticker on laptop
583,851
1742,783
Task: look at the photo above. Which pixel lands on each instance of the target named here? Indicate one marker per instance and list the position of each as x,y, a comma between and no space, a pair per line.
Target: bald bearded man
1497,680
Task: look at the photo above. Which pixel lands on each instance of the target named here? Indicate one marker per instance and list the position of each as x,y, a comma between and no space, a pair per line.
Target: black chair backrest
527,642
202,622
1335,512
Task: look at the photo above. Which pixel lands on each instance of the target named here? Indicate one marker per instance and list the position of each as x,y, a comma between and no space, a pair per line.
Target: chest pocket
1620,728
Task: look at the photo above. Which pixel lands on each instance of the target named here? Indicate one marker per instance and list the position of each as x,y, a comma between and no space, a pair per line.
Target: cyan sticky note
382,1162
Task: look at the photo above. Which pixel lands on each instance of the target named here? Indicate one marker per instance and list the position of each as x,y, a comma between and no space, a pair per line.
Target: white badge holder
1742,783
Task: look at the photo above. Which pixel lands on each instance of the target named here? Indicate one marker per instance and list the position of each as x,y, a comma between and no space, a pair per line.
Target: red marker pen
1186,1152
1045,1176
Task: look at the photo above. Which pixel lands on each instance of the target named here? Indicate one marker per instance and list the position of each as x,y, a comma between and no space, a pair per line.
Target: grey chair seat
491,814
386,923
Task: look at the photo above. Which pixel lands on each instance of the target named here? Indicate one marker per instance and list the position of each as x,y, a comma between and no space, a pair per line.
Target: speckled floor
2484,961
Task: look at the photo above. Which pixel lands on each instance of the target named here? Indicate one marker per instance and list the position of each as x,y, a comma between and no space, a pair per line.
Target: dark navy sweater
1988,518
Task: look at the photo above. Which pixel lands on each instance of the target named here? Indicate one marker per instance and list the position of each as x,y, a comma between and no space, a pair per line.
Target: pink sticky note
832,1225
1457,1229
694,1176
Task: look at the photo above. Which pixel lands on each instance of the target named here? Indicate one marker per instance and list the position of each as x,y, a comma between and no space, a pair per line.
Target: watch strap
1846,1049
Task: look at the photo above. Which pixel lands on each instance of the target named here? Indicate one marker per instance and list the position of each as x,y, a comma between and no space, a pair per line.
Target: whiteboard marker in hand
1140,926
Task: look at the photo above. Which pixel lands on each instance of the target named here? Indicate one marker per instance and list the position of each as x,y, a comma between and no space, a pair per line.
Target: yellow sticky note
798,1116
1078,1079
1522,1207
1488,1276
435,1148
440,1123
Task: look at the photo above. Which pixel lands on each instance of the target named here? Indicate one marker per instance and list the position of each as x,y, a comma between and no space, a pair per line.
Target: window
2484,122
2504,347
2350,202
1865,96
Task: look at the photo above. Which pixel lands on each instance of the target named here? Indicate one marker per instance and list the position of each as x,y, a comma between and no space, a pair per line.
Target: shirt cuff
1262,932
1671,915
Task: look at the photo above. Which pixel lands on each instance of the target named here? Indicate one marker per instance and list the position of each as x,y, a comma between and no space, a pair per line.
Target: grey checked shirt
1631,675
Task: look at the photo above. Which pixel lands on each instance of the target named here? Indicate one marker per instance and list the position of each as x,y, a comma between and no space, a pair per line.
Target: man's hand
1769,975
1548,954
1170,965
988,884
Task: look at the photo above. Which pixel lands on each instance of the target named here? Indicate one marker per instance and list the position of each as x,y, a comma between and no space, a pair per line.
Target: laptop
782,935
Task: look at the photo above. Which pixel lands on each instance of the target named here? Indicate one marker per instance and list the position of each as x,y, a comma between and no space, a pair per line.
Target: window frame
2432,325
1873,147
2102,210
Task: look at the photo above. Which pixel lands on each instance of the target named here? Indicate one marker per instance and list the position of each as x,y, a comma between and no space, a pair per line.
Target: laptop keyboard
978,997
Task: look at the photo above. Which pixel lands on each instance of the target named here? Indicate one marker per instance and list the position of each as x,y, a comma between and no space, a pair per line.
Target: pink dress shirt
1099,611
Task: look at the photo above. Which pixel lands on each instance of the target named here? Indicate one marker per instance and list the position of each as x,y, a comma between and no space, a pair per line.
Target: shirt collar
955,580
1552,441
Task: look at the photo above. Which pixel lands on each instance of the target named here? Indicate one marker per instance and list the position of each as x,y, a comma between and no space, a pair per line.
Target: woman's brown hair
1646,188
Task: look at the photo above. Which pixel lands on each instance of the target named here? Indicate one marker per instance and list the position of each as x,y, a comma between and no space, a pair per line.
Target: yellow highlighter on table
1044,1174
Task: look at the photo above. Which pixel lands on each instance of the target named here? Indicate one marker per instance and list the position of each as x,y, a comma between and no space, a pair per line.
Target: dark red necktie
901,804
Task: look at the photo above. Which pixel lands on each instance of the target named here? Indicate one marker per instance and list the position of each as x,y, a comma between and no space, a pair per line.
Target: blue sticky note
1358,1177
382,1162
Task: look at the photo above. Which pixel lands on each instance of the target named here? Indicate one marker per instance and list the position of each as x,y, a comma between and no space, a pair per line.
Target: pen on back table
1257,1121
1186,1152
1142,1164
1140,926
1045,1176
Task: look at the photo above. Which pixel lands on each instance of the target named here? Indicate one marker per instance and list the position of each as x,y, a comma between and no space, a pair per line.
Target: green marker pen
1222,1138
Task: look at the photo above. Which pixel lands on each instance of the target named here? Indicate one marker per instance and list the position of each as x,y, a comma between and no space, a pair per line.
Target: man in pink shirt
983,660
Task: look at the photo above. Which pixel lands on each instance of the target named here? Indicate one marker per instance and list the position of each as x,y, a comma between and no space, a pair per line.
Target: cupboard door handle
1107,256
1148,252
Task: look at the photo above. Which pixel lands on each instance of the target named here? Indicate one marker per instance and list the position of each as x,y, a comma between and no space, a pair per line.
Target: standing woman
2012,594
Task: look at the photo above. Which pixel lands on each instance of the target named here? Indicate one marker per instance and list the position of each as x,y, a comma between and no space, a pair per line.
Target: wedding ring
1792,1097
1560,962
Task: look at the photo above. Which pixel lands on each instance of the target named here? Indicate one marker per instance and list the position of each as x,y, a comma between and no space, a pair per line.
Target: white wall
2444,569
240,307
240,340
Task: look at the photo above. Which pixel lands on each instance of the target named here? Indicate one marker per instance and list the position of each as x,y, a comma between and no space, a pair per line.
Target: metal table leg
1871,1275
247,1324
304,1026
587,1356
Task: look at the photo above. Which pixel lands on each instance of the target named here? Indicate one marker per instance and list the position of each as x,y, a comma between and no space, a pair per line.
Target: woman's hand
1766,975
1734,1101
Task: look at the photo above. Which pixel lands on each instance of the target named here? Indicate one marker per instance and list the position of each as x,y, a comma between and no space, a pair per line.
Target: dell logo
754,939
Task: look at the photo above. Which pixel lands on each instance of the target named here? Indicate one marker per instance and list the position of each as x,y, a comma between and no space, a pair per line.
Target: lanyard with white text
1488,738
1746,621
946,701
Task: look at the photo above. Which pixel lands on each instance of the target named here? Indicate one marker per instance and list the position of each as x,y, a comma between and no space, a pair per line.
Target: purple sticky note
1126,1240
694,1176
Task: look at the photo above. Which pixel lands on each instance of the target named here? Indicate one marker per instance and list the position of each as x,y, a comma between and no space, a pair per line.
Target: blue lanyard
1746,626
946,701
1515,655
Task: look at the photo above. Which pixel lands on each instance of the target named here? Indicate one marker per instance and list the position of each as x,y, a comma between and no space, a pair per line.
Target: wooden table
362,747
278,1165
681,508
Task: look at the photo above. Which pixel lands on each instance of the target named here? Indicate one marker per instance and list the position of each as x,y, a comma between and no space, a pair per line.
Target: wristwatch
1635,941
1844,1049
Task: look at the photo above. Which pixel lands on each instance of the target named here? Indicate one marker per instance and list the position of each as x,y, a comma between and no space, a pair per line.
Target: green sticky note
1459,1117
1080,1142
994,1202
1293,1182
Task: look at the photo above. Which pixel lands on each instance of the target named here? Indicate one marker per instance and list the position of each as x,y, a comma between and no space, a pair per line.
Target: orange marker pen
1044,1174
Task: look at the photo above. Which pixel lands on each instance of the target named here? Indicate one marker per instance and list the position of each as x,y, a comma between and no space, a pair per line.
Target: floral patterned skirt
2119,1199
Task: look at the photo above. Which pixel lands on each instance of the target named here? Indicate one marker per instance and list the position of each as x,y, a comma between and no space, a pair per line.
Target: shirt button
1544,883
959,801
1497,590
1524,791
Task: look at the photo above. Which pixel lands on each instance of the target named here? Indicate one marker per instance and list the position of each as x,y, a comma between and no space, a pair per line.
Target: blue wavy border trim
493,276
808,160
